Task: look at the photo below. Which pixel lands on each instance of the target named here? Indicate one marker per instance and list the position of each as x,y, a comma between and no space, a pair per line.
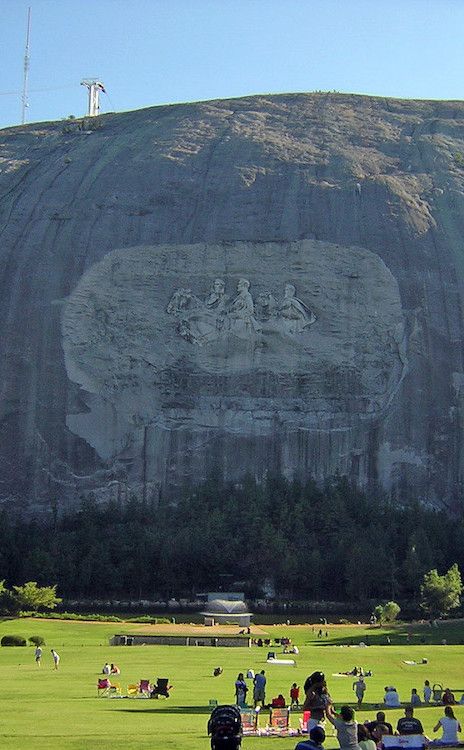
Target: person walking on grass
38,655
56,658
359,688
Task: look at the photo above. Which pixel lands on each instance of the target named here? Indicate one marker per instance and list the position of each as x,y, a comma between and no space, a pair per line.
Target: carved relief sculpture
204,322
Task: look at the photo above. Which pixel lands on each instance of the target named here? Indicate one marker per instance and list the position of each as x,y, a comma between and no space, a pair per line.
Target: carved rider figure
294,312
241,312
216,299
203,321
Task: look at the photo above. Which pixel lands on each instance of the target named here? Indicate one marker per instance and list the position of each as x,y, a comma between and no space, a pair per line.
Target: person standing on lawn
56,658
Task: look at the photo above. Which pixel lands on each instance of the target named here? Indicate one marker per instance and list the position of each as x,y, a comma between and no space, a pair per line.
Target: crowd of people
259,682
352,735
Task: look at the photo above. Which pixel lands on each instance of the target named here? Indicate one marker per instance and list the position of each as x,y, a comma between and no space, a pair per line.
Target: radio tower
25,98
94,86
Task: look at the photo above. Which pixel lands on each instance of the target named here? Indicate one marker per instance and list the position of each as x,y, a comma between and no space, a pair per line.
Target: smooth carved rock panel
237,338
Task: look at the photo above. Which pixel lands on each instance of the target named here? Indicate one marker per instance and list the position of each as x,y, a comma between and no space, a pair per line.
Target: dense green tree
441,594
387,612
31,597
331,542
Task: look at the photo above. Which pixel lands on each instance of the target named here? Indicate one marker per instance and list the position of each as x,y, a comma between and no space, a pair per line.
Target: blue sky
150,52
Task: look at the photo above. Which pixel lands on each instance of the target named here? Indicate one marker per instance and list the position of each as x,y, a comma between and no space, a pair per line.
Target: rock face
263,284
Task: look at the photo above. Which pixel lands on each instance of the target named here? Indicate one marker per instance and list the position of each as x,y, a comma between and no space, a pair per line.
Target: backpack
225,727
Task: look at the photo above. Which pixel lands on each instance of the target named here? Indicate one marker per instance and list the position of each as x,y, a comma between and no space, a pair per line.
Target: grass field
48,710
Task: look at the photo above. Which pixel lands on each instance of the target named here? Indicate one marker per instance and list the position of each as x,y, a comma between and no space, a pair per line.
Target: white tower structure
25,98
94,87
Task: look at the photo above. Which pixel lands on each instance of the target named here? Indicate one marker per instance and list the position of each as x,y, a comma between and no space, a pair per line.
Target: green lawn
48,710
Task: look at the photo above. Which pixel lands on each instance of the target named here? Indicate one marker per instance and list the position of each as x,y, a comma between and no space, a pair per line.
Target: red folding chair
103,687
145,688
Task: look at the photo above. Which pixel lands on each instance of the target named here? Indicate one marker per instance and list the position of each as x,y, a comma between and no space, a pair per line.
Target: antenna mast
25,98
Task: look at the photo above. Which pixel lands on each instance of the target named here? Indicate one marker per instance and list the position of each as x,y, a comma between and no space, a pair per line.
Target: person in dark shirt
316,738
448,698
408,724
380,719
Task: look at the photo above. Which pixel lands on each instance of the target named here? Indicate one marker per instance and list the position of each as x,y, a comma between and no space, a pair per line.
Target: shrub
387,612
72,616
13,640
37,640
150,619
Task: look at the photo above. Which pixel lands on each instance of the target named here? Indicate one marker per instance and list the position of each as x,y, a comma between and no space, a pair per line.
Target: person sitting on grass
450,727
380,719
346,726
448,698
415,698
391,698
316,738
408,724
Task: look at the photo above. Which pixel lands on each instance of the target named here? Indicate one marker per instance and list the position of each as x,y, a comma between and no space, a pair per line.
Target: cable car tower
94,87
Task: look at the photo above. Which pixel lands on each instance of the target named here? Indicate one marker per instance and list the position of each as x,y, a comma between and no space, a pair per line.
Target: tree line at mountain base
312,543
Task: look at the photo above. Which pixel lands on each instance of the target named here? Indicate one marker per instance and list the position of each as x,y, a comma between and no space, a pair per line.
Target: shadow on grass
169,710
206,711
399,634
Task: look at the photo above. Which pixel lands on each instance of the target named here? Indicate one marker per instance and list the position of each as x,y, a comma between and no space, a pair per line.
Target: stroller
225,728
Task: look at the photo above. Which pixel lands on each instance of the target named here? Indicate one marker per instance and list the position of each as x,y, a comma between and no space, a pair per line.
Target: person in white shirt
38,656
391,698
427,691
106,669
56,658
450,726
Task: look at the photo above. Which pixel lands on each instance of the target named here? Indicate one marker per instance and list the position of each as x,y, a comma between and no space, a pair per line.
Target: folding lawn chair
144,688
279,720
103,687
161,689
404,742
249,719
